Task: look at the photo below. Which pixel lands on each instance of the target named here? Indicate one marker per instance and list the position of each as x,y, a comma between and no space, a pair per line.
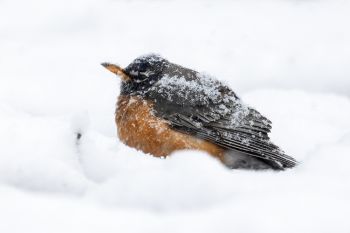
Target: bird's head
140,74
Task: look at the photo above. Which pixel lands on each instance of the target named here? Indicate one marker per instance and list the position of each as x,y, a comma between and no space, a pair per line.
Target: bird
164,107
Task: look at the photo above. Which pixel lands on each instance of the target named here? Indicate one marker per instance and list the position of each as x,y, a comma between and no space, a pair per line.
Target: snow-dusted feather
204,107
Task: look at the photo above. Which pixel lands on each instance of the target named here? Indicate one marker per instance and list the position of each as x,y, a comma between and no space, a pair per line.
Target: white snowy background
290,59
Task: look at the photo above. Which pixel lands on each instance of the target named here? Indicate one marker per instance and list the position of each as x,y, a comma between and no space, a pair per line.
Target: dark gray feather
206,108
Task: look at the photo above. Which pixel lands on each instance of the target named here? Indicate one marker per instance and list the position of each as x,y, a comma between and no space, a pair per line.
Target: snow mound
113,180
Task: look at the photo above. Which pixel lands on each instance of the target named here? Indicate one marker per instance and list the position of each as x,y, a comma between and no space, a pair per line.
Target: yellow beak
116,70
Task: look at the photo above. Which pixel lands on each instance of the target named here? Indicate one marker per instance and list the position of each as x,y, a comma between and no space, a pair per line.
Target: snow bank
112,185
288,59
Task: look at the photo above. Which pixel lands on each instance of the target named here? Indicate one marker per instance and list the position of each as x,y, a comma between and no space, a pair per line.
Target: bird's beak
116,70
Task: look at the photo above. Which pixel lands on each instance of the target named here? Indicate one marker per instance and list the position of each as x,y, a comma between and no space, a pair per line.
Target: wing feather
204,107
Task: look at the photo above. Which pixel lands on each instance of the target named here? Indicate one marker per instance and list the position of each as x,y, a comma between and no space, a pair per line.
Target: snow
287,59
205,92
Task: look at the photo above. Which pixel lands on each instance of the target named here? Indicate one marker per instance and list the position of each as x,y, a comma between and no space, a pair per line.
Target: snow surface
288,59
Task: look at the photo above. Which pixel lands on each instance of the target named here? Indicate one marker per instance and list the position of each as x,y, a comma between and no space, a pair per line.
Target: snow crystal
245,141
204,90
150,57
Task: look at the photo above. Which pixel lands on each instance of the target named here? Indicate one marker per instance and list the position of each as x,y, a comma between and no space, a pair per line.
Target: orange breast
139,128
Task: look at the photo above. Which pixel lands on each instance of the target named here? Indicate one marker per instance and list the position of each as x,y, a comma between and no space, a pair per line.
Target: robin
164,107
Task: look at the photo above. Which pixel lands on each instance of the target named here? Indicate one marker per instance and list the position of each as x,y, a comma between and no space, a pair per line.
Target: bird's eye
143,67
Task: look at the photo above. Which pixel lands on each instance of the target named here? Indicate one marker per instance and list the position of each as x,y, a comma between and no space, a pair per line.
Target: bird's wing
204,107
